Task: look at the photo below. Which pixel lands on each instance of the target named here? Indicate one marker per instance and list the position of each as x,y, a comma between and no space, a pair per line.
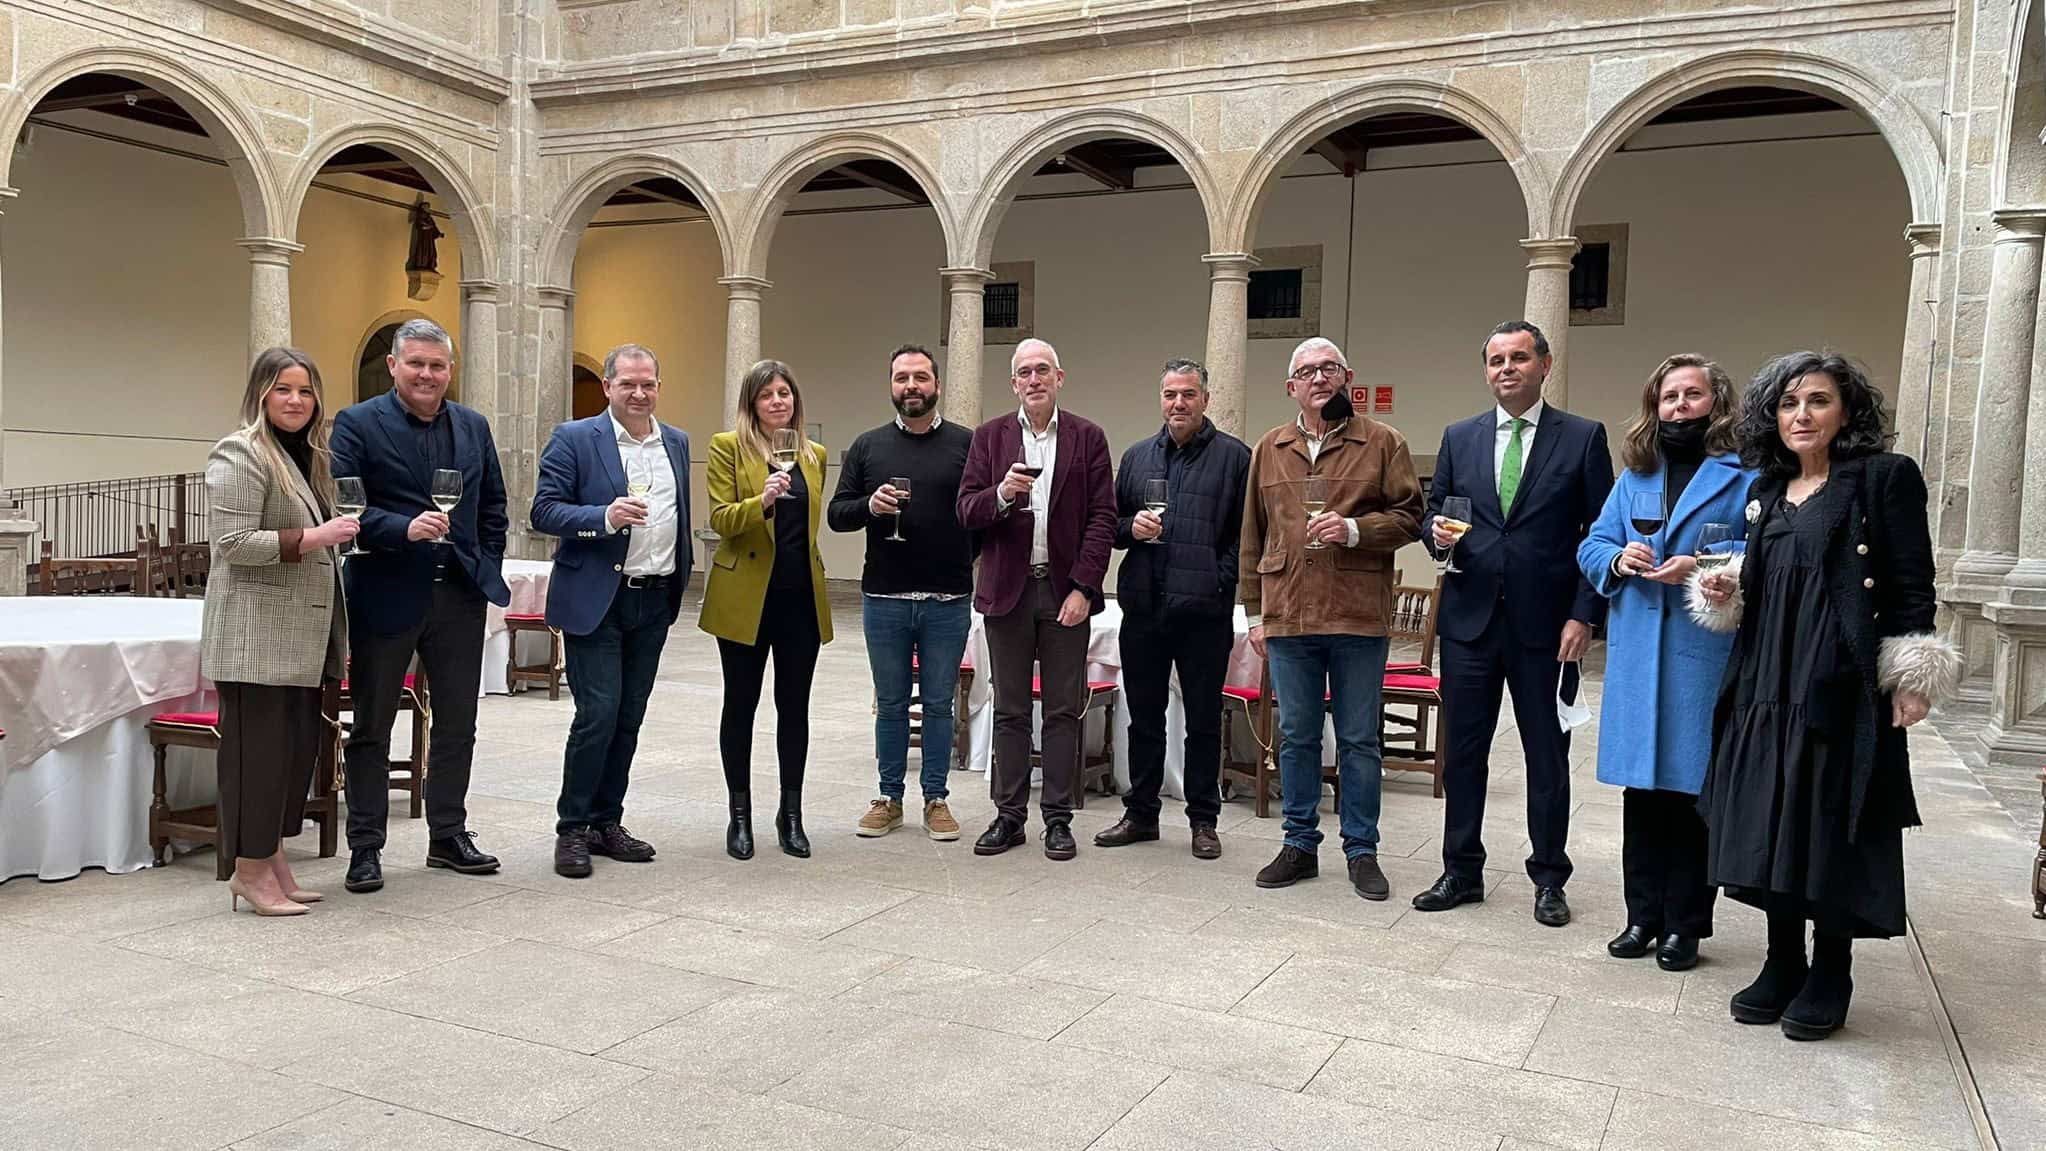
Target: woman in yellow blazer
765,592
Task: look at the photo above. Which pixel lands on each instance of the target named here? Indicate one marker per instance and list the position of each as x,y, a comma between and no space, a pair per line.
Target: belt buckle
1040,571
635,582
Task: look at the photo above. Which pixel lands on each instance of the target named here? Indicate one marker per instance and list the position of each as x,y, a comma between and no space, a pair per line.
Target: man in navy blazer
1517,614
420,588
615,488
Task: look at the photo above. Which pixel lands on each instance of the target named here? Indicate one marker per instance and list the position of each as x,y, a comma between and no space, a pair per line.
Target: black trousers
449,643
611,672
1153,645
1030,636
269,742
1662,863
1474,675
788,632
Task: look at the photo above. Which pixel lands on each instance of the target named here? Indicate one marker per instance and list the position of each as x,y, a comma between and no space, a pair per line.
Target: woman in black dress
1809,789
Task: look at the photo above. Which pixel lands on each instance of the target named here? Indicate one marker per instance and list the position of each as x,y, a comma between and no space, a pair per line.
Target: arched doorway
586,396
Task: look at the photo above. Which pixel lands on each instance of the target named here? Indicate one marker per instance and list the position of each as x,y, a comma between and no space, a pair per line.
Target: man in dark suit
420,589
1518,614
615,488
1045,543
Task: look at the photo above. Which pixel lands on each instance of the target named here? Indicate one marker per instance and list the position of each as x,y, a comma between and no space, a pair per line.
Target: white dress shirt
1533,416
650,547
1042,450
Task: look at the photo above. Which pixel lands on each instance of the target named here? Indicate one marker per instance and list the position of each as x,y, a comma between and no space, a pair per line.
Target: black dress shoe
613,840
1125,832
1289,867
1678,953
365,871
1763,1000
1821,1005
1448,892
1551,909
739,832
458,853
1058,842
1632,943
1206,844
788,829
1001,835
1368,878
572,853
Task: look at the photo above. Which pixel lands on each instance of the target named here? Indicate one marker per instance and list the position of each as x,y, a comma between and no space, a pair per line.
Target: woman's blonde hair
256,427
1642,446
752,436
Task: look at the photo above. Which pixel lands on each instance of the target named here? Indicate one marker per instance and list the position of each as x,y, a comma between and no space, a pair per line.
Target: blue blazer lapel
1713,477
679,460
398,433
608,455
1546,434
1484,437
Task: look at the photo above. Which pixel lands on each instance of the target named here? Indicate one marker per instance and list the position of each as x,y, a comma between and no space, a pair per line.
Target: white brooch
1754,510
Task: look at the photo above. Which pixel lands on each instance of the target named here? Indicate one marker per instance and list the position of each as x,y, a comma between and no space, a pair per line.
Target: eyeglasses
1331,370
1041,371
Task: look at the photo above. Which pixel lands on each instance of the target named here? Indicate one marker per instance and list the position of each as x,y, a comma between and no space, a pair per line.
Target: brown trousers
1028,635
269,742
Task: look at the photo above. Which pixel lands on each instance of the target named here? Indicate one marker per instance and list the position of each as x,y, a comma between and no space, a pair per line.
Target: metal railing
99,517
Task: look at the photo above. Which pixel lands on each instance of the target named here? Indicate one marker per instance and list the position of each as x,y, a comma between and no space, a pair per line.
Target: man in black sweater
897,483
1177,589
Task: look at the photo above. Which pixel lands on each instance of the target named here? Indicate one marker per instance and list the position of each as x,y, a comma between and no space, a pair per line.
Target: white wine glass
350,501
639,482
784,443
1314,498
447,495
1455,517
901,486
1155,499
1716,547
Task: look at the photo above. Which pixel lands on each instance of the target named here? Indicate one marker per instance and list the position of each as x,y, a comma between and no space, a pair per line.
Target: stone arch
1910,140
580,203
226,120
1026,156
450,182
2021,149
1363,102
788,176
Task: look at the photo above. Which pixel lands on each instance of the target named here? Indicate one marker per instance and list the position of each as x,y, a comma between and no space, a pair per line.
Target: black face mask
1337,407
1683,437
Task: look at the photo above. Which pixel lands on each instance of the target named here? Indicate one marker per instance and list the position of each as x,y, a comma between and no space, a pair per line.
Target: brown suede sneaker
883,816
938,821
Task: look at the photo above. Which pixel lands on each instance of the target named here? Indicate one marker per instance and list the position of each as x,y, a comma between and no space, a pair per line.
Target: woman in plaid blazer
275,623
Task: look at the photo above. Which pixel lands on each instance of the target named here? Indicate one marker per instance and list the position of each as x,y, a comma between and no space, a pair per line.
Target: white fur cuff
1720,617
1923,663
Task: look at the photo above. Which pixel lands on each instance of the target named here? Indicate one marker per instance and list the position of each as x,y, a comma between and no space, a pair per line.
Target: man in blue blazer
615,488
1517,615
420,588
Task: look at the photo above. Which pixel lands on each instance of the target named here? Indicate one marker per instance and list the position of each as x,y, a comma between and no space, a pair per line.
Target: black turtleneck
298,446
1683,448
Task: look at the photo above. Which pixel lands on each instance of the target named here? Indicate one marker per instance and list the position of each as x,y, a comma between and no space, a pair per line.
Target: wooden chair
61,575
201,730
407,775
1414,744
156,577
549,673
1096,768
959,724
188,564
1259,707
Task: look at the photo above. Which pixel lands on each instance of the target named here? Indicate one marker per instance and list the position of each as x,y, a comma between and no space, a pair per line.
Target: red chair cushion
1246,694
524,617
1411,668
1095,686
1413,682
189,718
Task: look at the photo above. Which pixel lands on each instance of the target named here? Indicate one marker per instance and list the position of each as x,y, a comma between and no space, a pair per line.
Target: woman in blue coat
1662,668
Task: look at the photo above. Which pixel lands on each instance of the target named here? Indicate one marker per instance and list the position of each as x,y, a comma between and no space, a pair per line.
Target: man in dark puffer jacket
1177,589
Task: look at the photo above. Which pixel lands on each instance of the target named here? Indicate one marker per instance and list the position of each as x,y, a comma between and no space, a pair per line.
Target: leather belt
1040,571
644,581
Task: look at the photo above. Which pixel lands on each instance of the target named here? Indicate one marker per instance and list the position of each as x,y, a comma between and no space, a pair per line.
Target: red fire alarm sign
1383,406
1360,398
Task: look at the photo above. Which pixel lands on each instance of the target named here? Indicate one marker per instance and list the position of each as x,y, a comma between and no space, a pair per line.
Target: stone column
1996,469
17,532
269,291
480,390
552,387
1548,305
742,334
965,300
1914,391
2016,732
1228,332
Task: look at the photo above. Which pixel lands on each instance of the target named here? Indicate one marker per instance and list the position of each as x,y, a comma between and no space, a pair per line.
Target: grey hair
1188,368
630,352
1029,345
421,329
1316,344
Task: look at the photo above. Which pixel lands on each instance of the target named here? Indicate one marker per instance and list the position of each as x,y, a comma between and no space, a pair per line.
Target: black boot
739,833
788,825
1783,973
1821,1006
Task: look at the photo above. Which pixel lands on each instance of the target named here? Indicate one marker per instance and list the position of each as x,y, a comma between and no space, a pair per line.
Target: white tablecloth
527,580
1104,663
79,680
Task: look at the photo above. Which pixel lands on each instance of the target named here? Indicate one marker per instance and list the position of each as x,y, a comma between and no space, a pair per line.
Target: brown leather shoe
572,853
1206,844
613,840
1125,832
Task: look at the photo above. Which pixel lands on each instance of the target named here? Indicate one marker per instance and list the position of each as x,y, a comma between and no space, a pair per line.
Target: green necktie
1509,473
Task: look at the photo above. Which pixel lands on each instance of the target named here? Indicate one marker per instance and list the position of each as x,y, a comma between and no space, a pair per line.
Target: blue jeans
935,632
1350,669
611,671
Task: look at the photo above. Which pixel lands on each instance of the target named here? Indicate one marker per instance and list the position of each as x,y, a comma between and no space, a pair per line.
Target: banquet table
1104,664
527,580
80,678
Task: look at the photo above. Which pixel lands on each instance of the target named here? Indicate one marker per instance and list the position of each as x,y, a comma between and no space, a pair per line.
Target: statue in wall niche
422,263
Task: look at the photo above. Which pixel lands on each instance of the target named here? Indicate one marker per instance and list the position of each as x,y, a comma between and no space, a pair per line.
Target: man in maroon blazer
1039,489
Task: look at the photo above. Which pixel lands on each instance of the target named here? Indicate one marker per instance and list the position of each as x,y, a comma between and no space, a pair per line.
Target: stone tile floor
903,994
